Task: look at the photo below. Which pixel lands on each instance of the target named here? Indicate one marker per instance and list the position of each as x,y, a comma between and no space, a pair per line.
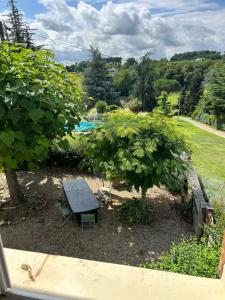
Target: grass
208,157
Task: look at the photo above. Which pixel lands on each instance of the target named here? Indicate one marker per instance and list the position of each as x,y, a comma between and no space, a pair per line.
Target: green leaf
63,144
2,111
36,114
139,152
7,137
14,116
10,162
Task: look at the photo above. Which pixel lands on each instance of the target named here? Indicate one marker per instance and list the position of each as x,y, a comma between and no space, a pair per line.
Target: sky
126,28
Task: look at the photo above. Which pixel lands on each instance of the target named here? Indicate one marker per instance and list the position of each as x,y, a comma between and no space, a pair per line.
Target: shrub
69,156
135,105
142,150
112,107
164,105
196,257
101,107
191,257
134,212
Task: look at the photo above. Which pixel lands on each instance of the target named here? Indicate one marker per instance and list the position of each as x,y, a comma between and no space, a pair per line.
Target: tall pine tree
193,92
144,87
2,31
214,97
97,81
14,29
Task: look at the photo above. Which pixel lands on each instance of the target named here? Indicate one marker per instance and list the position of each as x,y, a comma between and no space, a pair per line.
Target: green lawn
208,157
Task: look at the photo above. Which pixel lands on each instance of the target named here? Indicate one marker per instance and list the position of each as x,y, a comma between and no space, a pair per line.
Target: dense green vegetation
196,257
173,98
142,150
97,80
164,104
190,257
39,103
14,28
213,100
195,87
206,54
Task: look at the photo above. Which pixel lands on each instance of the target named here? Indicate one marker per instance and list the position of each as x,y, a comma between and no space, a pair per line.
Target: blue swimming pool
85,126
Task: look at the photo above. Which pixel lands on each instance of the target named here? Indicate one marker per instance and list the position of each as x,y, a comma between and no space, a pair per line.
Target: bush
112,107
191,257
69,156
101,107
196,257
135,105
134,212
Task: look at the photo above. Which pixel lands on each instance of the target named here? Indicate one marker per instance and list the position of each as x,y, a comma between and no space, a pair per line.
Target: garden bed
36,225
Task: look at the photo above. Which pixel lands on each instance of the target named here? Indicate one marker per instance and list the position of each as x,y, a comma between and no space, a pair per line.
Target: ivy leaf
36,114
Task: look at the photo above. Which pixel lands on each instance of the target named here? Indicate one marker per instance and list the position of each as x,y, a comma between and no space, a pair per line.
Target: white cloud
128,28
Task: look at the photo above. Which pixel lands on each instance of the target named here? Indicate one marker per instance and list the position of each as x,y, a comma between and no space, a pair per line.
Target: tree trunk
144,199
15,191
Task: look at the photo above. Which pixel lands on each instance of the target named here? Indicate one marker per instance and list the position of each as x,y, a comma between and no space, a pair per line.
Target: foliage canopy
38,103
143,150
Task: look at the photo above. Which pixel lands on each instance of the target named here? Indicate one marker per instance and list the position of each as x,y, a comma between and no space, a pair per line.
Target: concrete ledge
71,278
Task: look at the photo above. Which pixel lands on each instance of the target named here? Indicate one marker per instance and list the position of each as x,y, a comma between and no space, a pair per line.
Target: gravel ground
36,225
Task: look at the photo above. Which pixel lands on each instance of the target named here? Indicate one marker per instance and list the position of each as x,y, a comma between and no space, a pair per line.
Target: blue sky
33,7
126,27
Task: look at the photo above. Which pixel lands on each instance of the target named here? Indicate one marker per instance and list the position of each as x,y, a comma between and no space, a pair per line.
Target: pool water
85,126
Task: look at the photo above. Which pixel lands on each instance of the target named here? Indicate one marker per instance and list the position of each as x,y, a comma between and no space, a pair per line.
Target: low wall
202,210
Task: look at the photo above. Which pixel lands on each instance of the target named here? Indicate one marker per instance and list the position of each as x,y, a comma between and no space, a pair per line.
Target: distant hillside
194,55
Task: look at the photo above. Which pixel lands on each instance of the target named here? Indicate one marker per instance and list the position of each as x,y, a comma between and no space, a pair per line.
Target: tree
214,96
130,62
15,29
192,91
141,149
97,81
2,31
164,104
124,80
38,103
195,55
144,87
101,107
78,67
135,105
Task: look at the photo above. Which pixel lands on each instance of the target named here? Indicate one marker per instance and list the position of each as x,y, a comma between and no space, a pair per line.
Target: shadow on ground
36,225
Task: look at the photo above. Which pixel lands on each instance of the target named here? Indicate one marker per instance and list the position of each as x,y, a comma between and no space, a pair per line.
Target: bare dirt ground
36,225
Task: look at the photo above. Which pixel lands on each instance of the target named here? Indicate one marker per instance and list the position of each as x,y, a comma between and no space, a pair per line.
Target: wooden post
222,258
